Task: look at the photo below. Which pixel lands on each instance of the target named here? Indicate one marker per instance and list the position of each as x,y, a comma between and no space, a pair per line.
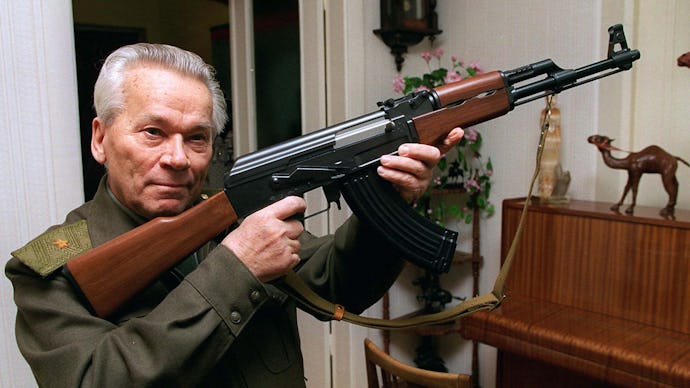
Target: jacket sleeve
178,341
354,268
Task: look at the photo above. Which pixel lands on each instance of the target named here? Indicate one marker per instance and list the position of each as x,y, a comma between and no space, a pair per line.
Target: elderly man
215,319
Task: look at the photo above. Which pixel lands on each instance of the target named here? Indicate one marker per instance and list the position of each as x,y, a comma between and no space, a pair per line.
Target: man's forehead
151,81
151,90
151,71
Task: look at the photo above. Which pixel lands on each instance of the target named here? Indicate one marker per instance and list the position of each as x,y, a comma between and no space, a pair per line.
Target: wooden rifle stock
111,274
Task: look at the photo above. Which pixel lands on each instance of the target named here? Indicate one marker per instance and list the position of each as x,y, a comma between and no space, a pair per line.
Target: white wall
657,111
40,161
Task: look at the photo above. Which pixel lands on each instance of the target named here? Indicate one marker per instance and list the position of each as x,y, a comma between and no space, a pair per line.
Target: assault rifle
340,159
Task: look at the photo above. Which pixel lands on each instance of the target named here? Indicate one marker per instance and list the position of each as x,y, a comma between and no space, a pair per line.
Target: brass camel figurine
652,160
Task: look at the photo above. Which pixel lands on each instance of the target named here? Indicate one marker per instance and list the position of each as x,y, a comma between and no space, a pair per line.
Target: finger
293,230
295,260
428,155
295,247
398,177
287,207
415,159
453,138
410,181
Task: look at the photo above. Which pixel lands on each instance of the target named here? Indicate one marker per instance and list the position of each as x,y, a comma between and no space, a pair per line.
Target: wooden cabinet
593,296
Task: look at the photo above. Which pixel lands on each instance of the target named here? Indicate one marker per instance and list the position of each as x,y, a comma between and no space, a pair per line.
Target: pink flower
475,65
454,59
471,135
438,53
489,172
472,183
427,56
452,76
398,84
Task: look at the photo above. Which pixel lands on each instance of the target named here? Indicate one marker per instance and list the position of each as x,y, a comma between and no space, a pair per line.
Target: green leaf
461,157
442,164
438,76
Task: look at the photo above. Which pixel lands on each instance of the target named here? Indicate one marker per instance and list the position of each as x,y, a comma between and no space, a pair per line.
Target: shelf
453,191
465,257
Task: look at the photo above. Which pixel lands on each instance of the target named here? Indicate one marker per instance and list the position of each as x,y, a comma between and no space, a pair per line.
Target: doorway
92,44
200,26
277,71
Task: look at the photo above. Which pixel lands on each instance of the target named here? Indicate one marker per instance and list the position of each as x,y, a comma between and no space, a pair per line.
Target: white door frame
315,344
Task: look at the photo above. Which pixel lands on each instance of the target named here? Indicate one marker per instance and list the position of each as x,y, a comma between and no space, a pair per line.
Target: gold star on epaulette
55,247
61,244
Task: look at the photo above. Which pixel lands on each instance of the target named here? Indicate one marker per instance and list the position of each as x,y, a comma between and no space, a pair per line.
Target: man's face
157,150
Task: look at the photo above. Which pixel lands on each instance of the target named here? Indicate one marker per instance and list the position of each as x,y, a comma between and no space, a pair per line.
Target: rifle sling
294,286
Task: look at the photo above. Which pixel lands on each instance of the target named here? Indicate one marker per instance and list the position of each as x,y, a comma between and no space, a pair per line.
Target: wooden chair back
395,374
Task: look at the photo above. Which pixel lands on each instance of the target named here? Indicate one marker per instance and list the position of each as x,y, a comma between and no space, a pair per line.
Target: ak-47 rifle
340,159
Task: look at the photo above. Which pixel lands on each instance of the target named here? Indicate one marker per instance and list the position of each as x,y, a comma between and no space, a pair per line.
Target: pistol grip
419,240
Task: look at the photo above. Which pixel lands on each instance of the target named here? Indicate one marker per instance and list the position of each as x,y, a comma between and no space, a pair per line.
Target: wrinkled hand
267,240
411,170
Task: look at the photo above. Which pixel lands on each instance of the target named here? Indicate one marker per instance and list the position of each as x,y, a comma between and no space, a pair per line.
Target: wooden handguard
469,88
473,100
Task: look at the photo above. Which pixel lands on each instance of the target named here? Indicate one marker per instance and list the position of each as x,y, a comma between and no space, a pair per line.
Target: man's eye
199,138
153,131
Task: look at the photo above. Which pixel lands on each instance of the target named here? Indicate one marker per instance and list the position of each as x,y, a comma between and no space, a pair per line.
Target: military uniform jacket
218,327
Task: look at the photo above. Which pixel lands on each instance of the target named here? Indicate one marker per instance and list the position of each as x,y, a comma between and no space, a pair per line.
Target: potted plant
463,169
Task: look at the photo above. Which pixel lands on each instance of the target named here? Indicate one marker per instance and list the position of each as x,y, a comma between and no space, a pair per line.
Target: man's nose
175,154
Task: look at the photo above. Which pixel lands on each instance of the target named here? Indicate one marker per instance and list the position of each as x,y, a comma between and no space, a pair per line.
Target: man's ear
97,139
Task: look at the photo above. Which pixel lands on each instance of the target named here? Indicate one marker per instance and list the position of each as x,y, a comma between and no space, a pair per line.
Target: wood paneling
586,256
593,297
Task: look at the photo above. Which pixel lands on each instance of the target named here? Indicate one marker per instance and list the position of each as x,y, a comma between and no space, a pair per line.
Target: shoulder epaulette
55,247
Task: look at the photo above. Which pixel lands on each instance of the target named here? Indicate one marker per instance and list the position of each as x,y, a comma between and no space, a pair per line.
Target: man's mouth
173,185
172,190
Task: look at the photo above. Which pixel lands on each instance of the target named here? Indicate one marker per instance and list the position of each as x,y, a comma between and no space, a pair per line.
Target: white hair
108,91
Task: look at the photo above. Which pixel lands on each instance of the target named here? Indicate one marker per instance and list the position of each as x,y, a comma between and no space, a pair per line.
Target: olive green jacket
219,327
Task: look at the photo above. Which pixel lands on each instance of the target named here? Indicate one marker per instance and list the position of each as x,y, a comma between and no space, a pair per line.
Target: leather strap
294,286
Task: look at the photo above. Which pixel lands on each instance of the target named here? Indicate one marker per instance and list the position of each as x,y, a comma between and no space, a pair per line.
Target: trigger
332,194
